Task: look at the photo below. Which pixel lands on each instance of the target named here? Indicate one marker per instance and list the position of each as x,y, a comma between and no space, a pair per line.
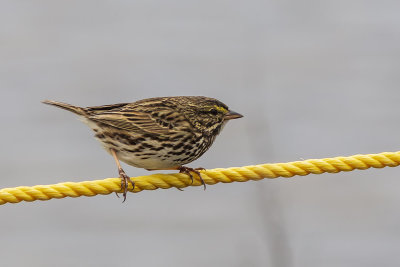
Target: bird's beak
232,115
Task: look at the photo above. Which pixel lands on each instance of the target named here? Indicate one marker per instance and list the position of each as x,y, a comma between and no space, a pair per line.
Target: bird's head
208,115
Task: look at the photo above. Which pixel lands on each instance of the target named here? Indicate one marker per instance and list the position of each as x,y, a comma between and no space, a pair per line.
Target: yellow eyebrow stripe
220,109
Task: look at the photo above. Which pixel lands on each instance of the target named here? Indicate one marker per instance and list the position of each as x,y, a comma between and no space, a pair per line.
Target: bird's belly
146,152
154,162
150,157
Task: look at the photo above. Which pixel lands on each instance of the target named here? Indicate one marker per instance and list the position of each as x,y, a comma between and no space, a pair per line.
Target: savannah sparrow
161,133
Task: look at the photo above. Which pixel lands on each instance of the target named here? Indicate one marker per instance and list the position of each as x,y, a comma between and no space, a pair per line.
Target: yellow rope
179,180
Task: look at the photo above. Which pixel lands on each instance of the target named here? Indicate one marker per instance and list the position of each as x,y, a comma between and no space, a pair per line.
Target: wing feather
136,118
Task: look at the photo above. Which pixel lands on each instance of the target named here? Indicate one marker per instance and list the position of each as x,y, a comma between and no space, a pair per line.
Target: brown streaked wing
135,120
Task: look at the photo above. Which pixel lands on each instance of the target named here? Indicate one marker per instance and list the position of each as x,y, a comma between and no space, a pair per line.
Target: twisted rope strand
179,180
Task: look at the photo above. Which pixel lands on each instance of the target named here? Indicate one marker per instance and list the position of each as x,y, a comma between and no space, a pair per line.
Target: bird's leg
125,179
187,170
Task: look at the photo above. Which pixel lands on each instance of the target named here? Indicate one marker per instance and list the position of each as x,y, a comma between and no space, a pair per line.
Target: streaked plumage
156,133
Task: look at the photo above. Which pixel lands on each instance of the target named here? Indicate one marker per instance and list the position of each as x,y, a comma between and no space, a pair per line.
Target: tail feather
74,109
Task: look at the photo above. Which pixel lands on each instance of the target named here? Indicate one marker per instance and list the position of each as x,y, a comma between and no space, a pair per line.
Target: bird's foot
125,181
187,170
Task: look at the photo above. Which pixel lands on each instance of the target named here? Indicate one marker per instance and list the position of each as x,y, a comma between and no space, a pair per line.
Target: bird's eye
213,111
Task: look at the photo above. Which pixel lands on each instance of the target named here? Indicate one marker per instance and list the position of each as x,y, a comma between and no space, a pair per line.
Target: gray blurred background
313,79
